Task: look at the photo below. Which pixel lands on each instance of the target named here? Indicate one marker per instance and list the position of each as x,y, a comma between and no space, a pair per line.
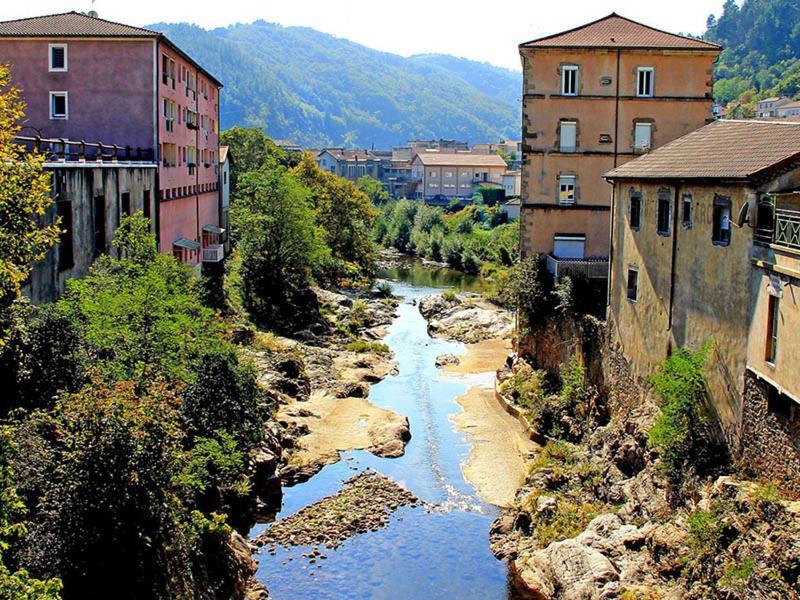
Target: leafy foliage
761,56
278,240
252,150
683,433
320,90
24,198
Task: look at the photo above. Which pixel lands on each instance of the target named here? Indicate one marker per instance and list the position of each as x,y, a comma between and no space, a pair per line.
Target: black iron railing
64,150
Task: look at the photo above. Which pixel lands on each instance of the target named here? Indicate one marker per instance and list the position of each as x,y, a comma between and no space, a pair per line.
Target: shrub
568,520
682,432
450,295
531,287
737,575
363,346
384,289
705,535
267,341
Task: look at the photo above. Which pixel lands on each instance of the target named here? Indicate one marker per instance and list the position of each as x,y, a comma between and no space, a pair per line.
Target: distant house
225,163
443,176
439,145
511,208
350,164
768,107
706,246
790,109
512,181
86,78
289,146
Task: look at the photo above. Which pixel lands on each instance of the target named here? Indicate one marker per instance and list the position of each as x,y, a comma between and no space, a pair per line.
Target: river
437,552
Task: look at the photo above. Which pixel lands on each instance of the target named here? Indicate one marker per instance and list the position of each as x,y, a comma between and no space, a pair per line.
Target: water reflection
412,272
438,553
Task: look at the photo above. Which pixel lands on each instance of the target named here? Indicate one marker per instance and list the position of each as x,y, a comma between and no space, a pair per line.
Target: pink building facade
85,78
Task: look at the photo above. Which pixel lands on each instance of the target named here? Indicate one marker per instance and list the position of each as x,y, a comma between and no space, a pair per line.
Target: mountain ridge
321,90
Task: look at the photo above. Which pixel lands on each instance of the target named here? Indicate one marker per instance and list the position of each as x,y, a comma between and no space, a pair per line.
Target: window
633,283
146,203
448,174
66,259
168,110
642,136
362,170
125,204
351,171
566,189
568,136
167,71
773,314
635,213
644,82
58,58
569,81
99,225
59,105
686,211
431,173
721,225
663,213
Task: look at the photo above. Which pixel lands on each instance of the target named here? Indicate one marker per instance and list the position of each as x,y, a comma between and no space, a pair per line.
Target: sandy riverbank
497,462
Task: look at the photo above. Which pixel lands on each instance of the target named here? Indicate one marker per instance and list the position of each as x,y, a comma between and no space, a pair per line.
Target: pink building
85,78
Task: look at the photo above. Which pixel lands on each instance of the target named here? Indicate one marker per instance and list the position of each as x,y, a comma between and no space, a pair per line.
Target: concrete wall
460,182
709,294
605,127
110,85
79,186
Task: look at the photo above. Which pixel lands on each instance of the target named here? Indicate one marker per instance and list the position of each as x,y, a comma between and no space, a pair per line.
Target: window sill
718,243
663,233
58,70
631,300
52,118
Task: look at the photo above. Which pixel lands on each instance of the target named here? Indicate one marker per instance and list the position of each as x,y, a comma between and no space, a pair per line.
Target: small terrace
778,222
592,268
60,150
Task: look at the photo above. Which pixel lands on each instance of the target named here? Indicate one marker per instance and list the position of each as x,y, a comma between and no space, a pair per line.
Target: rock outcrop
464,317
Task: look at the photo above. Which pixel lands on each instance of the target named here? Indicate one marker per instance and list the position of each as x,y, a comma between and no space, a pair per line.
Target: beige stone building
705,246
594,98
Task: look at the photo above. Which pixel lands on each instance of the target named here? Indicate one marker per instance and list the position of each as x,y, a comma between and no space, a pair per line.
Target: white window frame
632,269
569,69
564,181
65,116
639,72
574,126
638,126
50,66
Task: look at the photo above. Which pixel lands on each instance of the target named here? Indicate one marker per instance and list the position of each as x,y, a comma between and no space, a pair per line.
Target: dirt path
500,450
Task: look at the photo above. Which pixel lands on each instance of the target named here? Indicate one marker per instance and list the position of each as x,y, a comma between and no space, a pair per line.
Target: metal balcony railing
777,224
593,268
64,150
787,228
213,253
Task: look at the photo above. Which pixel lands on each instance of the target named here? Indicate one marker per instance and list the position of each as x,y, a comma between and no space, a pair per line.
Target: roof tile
70,24
722,150
615,31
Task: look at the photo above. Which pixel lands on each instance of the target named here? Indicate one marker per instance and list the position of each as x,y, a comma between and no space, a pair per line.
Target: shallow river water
442,552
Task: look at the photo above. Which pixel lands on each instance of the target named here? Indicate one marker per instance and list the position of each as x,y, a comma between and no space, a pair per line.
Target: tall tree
24,199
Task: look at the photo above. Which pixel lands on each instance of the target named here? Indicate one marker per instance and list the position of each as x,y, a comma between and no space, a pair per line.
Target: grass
449,295
568,520
266,341
363,346
737,575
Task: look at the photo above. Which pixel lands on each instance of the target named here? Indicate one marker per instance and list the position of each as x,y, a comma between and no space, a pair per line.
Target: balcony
778,222
213,253
592,268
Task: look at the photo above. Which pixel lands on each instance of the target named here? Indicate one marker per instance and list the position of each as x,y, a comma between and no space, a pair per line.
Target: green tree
16,584
278,240
252,150
141,316
373,189
24,199
344,213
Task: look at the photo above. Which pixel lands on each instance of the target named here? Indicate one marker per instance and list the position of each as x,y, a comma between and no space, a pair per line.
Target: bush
224,397
363,346
384,290
683,433
450,295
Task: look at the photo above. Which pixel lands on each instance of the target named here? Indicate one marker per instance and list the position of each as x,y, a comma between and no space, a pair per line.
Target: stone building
595,97
705,246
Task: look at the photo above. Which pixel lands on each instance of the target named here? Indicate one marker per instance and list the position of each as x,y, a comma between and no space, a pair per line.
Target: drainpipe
616,113
674,253
611,246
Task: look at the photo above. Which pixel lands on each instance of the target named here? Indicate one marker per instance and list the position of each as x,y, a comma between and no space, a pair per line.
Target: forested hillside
319,90
762,52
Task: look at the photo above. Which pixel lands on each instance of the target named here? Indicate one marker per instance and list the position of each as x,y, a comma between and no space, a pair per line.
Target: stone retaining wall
771,443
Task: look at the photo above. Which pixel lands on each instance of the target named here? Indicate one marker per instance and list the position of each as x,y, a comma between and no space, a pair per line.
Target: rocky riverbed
364,503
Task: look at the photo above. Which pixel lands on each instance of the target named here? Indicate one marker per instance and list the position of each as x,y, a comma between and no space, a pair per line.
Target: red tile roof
741,149
71,24
615,31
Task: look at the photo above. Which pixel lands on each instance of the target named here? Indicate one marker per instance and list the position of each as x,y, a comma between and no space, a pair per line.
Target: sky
483,30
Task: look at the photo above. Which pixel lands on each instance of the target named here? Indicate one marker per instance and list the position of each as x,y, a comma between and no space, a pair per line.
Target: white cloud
475,29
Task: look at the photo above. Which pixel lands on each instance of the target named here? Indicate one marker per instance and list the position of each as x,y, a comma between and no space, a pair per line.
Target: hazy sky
484,30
